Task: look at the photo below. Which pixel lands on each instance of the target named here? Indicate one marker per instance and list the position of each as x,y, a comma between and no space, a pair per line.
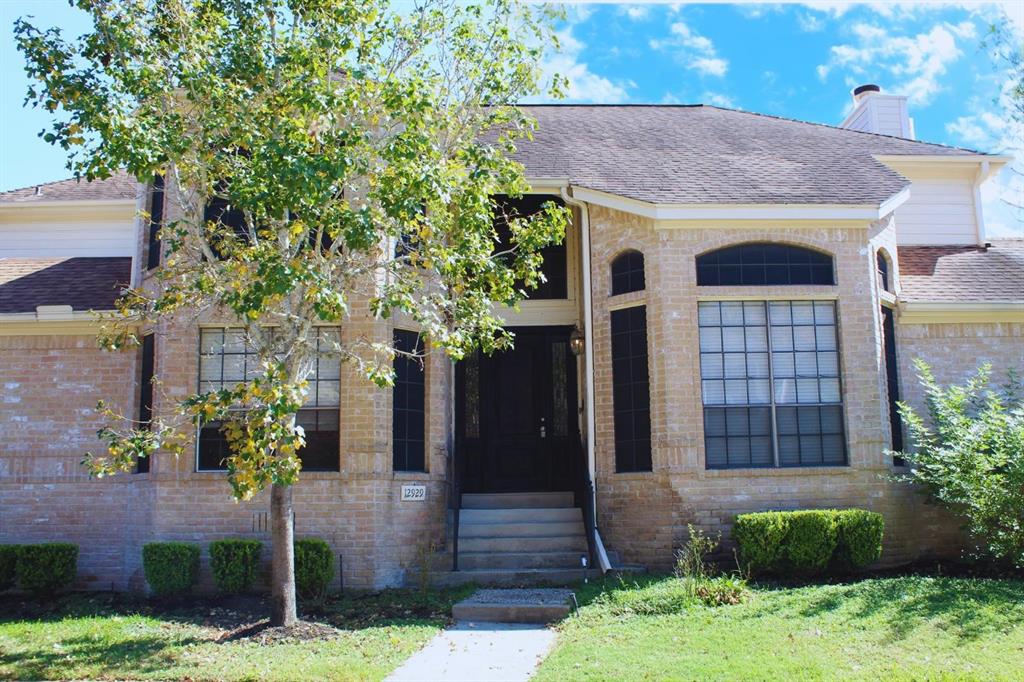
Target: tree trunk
282,575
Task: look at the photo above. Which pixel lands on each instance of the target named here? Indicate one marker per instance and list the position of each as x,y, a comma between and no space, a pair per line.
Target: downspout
588,361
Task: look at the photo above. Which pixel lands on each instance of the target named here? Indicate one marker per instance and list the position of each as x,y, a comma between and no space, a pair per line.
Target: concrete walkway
474,652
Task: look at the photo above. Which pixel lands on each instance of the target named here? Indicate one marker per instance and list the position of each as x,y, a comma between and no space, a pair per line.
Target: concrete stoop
537,605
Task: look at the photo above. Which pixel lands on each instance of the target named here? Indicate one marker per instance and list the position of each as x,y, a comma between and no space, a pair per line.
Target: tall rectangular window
770,384
631,390
892,382
147,361
407,408
225,359
156,221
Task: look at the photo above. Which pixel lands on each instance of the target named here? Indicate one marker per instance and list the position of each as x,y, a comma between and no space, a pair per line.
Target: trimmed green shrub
44,569
171,568
858,538
234,564
808,542
811,540
314,567
8,560
760,537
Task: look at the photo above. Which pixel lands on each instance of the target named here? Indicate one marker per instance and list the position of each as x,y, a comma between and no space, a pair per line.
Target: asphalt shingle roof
708,155
82,283
963,273
118,186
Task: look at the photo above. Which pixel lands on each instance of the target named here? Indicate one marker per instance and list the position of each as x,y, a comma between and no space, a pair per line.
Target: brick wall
51,385
643,515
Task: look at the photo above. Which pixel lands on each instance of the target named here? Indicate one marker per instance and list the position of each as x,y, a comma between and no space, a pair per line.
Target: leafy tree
1007,50
356,149
969,456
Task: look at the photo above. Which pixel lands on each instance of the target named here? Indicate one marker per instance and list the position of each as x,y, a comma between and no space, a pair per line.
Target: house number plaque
414,493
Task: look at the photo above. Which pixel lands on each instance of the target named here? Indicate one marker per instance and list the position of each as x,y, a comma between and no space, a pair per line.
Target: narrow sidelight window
631,390
225,359
884,276
770,384
628,273
147,360
408,414
764,264
892,382
156,221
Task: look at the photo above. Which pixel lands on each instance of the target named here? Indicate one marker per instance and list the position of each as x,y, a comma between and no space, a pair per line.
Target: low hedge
171,568
234,564
47,568
314,567
808,542
8,560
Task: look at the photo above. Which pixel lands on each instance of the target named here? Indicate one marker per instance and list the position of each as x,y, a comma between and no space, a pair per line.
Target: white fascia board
995,161
937,312
817,212
68,204
543,185
49,324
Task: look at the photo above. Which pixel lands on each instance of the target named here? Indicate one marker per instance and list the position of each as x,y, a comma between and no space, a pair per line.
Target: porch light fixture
576,340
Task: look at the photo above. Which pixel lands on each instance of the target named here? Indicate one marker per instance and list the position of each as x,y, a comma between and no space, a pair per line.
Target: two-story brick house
726,328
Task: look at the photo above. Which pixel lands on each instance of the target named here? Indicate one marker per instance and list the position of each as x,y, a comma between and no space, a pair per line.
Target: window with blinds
225,359
770,384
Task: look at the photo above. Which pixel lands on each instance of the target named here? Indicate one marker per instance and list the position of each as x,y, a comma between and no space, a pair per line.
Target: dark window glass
148,366
756,355
628,273
408,414
764,264
892,383
883,272
631,391
156,221
220,210
555,267
225,359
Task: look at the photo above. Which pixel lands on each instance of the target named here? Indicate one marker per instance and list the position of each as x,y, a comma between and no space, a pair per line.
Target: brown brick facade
51,385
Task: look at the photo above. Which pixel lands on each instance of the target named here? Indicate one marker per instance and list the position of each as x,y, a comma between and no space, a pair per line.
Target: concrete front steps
537,605
517,539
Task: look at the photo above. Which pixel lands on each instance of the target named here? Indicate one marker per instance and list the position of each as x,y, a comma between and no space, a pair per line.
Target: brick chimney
875,112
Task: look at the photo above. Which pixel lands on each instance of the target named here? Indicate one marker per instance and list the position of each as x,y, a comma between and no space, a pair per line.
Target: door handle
543,427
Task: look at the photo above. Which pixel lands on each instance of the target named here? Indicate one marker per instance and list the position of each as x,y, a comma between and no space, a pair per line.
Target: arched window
628,273
884,274
762,264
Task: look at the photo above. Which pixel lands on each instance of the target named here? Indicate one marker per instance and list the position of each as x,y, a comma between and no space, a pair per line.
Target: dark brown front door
516,415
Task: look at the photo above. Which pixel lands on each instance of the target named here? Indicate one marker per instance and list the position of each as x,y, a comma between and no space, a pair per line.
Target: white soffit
736,212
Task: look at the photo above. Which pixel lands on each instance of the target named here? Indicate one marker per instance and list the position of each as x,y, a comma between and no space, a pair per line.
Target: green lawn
110,637
906,628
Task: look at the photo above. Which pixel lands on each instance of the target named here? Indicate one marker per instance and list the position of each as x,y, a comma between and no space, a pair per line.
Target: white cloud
809,23
718,99
584,84
695,51
710,66
635,12
917,62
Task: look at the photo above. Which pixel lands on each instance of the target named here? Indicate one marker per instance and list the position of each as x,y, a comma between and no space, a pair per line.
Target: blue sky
798,60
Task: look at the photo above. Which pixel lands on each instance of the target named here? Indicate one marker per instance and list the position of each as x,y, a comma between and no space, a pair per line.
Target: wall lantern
576,340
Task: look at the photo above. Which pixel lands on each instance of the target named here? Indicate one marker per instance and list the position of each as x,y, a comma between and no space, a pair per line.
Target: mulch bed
262,633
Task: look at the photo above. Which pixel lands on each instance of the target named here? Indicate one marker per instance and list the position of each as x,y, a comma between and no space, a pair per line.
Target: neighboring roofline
951,312
855,212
